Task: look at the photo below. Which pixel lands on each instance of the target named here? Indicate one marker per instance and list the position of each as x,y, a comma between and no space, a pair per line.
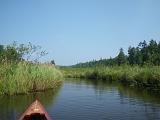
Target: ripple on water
83,100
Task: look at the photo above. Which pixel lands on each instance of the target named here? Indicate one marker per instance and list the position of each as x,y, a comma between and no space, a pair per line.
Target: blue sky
79,30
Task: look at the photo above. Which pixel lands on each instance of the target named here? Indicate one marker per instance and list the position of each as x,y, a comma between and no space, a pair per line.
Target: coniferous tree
138,57
131,55
121,58
143,54
143,48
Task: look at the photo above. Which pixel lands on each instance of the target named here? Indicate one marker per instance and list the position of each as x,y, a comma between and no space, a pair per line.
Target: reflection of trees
141,101
147,100
97,84
101,87
11,107
139,94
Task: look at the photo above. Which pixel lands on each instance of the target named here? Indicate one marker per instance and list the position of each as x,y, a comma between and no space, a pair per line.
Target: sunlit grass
25,77
147,76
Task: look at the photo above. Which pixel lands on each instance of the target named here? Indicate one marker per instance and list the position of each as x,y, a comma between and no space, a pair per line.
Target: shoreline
134,76
24,77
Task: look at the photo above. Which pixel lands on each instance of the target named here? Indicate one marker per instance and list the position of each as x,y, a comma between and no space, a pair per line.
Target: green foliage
134,56
52,62
18,75
25,77
147,77
143,54
19,52
121,58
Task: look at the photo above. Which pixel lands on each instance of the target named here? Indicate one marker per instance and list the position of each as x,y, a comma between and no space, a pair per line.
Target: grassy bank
25,77
144,77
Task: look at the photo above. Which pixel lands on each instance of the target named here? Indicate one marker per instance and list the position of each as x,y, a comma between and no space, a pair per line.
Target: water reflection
11,107
122,102
101,86
88,100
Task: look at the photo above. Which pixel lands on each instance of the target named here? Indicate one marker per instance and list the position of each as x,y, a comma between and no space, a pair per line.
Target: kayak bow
35,112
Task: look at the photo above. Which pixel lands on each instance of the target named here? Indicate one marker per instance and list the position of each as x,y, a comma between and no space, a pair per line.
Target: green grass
148,76
25,77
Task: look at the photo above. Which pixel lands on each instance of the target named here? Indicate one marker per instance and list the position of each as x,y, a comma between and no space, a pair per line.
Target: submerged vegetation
139,68
18,76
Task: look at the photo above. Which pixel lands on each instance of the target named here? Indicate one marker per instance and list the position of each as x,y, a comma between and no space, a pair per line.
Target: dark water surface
87,100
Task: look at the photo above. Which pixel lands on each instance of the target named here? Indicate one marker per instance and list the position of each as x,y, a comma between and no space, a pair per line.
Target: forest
139,68
144,54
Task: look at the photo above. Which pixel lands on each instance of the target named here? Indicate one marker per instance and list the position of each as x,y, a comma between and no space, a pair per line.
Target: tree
52,62
144,51
121,58
152,47
134,56
19,52
11,54
1,50
138,57
153,52
131,55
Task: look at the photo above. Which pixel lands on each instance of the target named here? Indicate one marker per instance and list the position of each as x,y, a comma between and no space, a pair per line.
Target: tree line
144,54
21,52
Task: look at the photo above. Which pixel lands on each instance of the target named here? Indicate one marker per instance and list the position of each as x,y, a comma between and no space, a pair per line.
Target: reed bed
147,76
25,77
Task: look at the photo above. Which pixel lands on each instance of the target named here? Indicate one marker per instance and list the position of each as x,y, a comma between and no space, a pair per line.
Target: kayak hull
35,112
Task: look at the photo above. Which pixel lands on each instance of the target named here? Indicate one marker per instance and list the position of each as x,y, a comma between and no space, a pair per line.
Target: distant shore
136,76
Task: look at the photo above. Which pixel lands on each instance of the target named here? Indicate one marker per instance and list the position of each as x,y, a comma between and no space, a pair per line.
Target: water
87,100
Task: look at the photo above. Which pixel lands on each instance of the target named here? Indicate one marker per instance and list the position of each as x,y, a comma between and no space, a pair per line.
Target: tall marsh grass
147,76
25,77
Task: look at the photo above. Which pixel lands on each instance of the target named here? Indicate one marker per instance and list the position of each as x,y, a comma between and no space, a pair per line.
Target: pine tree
121,58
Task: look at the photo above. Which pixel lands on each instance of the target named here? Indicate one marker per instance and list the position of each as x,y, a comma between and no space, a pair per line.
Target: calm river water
87,100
